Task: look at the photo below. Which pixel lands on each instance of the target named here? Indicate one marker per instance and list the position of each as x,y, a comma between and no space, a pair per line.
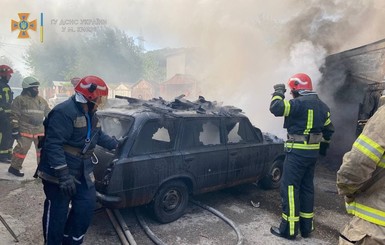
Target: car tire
274,176
170,201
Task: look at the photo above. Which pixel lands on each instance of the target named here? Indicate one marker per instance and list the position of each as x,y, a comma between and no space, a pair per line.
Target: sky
249,45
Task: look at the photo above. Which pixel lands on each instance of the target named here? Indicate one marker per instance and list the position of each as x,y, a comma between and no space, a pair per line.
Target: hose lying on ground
147,229
222,216
118,229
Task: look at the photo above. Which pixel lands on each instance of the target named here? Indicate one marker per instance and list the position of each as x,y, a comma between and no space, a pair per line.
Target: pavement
29,168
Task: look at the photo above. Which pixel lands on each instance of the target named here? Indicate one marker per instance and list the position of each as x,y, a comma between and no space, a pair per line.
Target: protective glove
279,89
67,182
119,141
323,148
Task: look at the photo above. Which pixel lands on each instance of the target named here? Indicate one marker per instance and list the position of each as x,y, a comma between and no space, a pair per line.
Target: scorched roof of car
179,106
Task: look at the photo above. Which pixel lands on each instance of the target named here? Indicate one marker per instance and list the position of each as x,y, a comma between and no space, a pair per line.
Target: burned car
173,149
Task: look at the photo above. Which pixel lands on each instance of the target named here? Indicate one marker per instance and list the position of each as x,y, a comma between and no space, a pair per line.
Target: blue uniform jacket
304,115
65,125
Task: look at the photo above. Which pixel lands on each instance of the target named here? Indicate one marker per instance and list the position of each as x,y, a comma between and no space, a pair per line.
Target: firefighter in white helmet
28,112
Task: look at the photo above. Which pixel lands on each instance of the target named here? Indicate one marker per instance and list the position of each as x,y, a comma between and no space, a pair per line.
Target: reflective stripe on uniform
6,91
372,215
33,111
18,155
328,121
286,112
306,215
31,135
302,146
291,219
369,148
309,123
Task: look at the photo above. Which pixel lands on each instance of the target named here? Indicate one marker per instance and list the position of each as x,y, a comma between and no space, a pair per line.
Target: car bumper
109,201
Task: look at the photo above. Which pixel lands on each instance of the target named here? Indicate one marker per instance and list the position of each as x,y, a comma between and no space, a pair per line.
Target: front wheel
170,201
274,176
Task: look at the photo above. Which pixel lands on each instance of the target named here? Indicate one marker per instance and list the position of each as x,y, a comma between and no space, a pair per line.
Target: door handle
233,153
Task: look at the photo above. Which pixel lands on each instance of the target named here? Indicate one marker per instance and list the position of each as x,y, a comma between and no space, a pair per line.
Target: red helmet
300,81
92,87
5,71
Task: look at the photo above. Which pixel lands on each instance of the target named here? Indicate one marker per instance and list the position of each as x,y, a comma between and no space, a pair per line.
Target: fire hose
9,228
158,241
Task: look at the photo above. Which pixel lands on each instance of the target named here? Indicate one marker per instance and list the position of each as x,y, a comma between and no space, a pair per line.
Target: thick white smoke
248,45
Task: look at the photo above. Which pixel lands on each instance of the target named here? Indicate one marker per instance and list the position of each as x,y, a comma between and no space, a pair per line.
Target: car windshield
115,126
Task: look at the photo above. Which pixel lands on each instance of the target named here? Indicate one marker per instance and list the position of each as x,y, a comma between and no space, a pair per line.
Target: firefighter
361,180
6,97
28,112
66,168
309,130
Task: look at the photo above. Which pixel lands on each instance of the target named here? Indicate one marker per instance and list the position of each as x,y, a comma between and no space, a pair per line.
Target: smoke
248,45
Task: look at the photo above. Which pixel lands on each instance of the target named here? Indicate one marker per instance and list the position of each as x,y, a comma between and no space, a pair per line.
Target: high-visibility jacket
6,97
304,115
361,177
28,114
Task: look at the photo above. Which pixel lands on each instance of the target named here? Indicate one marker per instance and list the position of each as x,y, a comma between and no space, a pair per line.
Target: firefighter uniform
6,140
68,128
361,179
307,120
27,116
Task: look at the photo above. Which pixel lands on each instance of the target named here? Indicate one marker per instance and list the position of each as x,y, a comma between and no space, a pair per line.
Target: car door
204,153
246,155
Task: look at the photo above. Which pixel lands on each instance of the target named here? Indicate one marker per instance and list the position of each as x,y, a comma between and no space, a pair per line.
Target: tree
107,53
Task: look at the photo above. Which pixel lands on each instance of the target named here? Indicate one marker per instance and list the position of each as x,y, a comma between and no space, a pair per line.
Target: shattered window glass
200,132
240,131
114,126
155,136
233,136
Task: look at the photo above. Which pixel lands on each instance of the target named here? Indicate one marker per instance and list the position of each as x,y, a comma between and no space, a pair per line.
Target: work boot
15,172
276,232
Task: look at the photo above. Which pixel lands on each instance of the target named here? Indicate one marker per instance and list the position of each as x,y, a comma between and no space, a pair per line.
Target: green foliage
108,53
154,66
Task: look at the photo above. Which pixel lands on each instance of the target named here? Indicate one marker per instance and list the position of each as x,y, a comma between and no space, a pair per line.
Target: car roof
157,107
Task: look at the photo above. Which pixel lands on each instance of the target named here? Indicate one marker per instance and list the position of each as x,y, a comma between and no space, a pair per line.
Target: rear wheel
274,176
171,201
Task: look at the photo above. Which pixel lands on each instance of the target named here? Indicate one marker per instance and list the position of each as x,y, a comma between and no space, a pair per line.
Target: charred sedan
173,149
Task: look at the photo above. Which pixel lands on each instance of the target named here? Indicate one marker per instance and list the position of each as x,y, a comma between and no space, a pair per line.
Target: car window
200,132
155,136
114,126
240,130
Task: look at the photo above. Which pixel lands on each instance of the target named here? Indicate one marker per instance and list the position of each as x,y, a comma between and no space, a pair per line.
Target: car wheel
170,201
273,178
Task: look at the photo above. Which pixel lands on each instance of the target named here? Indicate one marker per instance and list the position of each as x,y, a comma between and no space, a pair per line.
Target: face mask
34,91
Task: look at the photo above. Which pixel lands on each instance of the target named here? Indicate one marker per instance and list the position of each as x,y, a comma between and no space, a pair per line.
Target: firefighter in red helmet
66,168
6,98
309,129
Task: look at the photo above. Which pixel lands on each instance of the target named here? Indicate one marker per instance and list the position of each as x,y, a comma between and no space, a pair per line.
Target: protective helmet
92,87
300,81
30,82
5,71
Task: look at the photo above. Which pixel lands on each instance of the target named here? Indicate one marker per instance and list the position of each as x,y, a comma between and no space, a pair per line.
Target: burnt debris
201,105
